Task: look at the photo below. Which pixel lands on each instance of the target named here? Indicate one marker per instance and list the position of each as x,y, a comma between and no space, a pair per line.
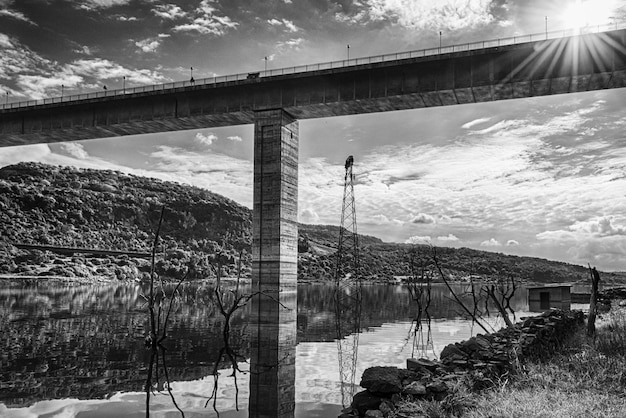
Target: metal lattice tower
348,290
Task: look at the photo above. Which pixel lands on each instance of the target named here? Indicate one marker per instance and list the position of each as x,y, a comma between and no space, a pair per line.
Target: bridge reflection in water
273,354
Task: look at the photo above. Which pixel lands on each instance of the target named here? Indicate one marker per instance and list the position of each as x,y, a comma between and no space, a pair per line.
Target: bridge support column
274,261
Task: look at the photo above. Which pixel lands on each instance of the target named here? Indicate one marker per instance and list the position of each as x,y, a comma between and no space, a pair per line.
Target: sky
540,177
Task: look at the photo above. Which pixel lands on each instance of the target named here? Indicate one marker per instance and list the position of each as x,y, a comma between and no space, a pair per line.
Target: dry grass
587,378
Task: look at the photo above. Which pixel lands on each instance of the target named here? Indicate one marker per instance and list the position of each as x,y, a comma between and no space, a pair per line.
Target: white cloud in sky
491,243
512,243
102,4
207,22
37,77
475,122
75,149
288,24
292,43
169,11
429,14
422,218
205,139
448,238
235,138
6,10
148,45
308,216
418,239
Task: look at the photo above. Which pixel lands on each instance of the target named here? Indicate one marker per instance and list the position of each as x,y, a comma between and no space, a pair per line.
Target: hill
66,206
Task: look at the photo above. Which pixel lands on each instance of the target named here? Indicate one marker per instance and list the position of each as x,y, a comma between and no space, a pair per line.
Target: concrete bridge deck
465,75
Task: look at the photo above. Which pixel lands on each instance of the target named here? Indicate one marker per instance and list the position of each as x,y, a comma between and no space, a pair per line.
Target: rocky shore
476,362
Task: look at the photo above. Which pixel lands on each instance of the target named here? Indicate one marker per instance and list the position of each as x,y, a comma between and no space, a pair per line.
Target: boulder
420,364
415,389
451,352
364,401
382,380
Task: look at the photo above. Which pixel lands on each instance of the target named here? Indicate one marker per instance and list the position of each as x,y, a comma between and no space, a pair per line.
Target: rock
622,303
364,401
415,389
452,352
387,408
384,380
437,387
374,413
420,364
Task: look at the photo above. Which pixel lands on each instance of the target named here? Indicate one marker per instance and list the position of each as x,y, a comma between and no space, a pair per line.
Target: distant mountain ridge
105,209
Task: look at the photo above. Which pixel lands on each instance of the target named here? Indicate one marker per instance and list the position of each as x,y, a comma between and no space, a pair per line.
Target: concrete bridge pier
274,261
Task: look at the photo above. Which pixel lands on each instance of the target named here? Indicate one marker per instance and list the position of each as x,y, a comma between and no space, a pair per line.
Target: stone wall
481,359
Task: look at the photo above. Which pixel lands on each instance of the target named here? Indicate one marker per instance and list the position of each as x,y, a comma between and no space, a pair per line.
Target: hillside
65,206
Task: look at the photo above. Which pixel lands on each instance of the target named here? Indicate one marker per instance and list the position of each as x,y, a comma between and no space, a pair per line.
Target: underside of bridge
566,65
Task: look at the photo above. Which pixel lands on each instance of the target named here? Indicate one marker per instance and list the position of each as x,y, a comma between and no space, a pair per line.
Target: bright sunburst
581,13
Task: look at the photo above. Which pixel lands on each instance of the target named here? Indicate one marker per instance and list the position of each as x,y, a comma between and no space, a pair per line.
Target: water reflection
87,342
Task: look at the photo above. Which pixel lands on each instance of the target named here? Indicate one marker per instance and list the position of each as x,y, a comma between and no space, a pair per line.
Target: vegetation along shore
94,209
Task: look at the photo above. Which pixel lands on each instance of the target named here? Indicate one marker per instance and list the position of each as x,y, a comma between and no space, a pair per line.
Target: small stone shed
545,297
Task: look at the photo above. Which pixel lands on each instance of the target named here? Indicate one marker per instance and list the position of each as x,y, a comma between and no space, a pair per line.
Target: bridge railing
219,80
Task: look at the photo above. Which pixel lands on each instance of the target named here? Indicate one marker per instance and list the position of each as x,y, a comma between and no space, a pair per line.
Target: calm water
79,350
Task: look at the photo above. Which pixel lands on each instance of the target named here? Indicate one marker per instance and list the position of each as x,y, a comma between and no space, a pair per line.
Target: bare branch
456,298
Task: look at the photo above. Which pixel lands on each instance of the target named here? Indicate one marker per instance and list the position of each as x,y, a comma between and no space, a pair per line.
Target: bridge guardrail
214,81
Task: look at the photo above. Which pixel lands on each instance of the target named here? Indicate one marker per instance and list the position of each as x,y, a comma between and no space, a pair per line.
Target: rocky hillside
65,206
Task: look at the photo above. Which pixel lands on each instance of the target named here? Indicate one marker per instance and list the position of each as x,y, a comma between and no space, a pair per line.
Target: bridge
275,100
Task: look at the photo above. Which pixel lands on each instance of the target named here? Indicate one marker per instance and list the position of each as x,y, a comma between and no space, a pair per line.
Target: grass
587,378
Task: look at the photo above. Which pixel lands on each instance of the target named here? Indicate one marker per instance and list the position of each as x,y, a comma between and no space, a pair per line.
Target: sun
585,13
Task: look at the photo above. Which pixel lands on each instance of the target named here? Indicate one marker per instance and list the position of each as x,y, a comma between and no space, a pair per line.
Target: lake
79,350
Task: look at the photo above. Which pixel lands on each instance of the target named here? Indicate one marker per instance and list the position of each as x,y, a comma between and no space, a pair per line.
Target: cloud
235,138
228,176
422,218
5,10
425,14
448,238
122,18
293,43
491,243
475,122
169,11
102,69
512,243
148,45
207,22
418,239
308,216
75,149
84,50
36,77
600,227
207,139
288,24
102,4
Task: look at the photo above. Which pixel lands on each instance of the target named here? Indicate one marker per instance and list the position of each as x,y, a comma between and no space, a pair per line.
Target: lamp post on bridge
7,101
440,33
348,52
124,84
62,88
